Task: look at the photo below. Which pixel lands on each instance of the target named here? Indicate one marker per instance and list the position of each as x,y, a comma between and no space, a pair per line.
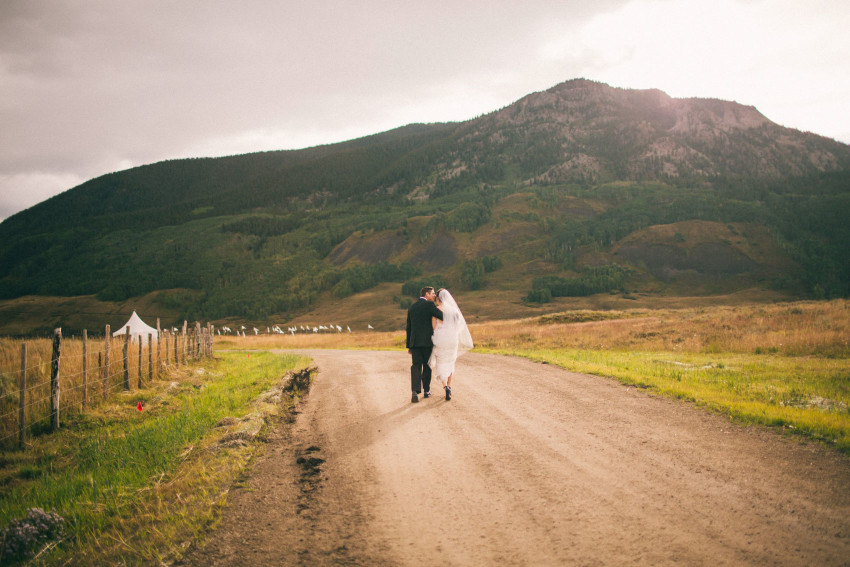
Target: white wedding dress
451,338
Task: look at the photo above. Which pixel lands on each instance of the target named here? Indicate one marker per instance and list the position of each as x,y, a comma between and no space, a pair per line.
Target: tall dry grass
74,393
793,329
371,340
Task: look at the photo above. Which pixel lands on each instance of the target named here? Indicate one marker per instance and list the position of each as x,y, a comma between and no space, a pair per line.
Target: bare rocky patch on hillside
440,253
702,249
369,248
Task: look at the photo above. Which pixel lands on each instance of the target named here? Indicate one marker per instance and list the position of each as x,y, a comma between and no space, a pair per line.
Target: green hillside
578,190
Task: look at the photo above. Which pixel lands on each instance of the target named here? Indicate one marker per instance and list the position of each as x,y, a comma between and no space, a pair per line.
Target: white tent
138,328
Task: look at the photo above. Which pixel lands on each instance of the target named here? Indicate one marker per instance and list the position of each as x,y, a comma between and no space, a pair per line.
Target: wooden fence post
22,424
185,342
198,338
140,362
158,353
101,373
127,358
150,356
85,369
176,356
54,379
210,339
106,362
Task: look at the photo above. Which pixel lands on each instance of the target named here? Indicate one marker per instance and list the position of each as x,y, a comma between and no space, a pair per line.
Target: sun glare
685,48
734,50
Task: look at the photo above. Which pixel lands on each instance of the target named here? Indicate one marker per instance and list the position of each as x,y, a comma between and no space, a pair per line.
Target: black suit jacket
419,329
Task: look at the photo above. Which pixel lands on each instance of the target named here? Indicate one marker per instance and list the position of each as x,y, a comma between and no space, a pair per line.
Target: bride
451,339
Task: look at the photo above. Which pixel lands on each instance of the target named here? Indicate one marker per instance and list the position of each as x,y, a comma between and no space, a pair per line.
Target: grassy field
136,486
783,364
79,391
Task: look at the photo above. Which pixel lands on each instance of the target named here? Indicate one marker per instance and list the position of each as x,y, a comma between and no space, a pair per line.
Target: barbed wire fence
44,380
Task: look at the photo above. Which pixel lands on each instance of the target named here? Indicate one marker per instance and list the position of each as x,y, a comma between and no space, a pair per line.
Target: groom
419,345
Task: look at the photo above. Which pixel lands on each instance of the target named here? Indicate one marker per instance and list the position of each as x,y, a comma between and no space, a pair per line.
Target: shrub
361,277
430,228
598,279
472,274
467,217
24,536
343,289
543,295
491,263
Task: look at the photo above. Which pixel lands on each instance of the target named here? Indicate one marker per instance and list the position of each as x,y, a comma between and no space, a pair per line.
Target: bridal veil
453,331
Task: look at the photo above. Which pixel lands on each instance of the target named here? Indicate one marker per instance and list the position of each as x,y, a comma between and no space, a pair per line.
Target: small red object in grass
139,406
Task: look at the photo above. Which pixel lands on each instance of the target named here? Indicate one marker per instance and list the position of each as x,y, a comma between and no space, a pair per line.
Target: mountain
577,190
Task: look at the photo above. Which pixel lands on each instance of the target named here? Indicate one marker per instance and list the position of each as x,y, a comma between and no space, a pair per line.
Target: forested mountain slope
579,189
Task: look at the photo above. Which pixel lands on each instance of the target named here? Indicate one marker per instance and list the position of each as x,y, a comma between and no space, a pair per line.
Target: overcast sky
90,87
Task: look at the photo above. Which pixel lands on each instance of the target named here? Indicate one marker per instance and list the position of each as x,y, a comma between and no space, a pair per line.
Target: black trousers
420,372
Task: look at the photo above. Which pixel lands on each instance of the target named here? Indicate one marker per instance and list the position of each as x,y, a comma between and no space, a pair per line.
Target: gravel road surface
528,464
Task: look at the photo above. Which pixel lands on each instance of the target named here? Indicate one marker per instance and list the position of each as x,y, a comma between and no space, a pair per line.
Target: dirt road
527,465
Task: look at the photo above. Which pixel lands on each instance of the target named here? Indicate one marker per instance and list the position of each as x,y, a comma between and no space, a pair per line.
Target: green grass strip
93,471
809,395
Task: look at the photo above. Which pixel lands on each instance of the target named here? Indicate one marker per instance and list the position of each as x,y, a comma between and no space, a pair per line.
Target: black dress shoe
427,394
415,398
448,393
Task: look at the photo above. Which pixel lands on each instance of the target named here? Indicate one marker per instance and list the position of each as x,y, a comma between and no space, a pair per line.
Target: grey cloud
90,86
